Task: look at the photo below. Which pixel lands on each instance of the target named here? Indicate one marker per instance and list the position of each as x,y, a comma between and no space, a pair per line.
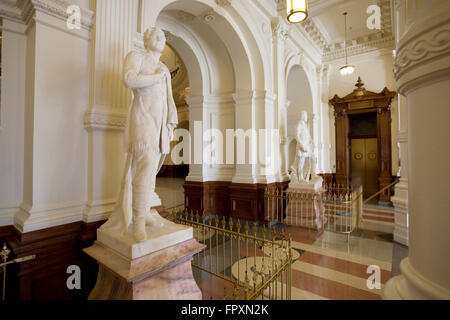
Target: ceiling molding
331,51
373,45
314,34
361,44
25,10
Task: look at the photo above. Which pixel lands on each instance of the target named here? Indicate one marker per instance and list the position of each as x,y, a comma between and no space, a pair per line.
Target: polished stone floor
325,265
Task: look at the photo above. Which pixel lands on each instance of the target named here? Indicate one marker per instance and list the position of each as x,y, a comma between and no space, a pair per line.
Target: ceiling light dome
348,69
297,10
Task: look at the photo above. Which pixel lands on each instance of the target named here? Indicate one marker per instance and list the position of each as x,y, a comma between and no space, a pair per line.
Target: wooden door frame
358,102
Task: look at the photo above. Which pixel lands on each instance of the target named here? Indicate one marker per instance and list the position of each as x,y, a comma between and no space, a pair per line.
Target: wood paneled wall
56,249
240,201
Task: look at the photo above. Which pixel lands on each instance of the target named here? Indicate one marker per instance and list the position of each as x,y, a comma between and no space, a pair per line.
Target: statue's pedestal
305,207
162,275
312,186
157,239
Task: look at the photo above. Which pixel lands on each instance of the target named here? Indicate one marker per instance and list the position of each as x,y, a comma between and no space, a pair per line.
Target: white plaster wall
61,97
12,121
376,71
51,144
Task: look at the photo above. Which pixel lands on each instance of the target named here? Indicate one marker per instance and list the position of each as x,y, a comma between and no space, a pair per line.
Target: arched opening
181,91
217,65
210,41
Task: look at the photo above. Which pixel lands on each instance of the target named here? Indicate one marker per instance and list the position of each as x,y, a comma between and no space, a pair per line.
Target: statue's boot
140,235
154,220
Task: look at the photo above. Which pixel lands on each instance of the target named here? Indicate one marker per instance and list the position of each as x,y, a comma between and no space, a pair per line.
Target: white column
245,119
400,199
12,110
323,78
116,24
197,169
268,143
280,32
423,75
219,116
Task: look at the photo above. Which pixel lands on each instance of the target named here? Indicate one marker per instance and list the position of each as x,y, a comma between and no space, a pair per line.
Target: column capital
280,29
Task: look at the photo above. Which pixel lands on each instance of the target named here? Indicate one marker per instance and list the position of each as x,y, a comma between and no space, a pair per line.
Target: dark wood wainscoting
240,201
208,198
56,249
180,171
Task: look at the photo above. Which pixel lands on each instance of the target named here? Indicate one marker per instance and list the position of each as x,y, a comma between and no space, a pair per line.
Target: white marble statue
303,169
151,121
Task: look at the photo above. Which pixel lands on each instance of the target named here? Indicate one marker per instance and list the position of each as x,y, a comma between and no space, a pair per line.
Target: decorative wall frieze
25,10
10,10
101,120
360,48
314,34
387,23
424,48
369,42
332,51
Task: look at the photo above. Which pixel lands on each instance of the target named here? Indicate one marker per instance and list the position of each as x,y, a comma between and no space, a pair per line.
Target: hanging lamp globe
297,10
347,70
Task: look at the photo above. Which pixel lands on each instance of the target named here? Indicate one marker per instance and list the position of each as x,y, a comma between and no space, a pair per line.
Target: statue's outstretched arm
132,78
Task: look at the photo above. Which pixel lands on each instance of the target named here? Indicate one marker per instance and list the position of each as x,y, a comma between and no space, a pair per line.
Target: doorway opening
364,152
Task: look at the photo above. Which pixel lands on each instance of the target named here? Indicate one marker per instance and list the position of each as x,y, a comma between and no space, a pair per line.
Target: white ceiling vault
325,26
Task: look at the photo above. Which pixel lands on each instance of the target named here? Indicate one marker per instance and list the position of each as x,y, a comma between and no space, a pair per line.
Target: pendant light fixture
297,10
348,69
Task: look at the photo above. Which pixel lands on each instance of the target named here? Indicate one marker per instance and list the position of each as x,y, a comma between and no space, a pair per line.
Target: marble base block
305,213
162,275
157,239
314,185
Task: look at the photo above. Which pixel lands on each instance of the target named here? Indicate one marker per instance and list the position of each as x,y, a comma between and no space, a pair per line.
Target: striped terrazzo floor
327,270
326,267
379,213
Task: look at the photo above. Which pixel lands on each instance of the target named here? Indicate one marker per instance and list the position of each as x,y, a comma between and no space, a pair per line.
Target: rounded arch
190,50
233,31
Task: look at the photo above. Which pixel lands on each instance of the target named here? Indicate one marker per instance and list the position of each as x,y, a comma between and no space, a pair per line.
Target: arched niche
300,98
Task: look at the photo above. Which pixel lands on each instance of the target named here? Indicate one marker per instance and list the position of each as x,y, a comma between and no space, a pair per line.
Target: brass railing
335,208
382,191
255,262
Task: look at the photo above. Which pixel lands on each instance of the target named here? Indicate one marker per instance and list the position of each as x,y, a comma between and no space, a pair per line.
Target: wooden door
364,155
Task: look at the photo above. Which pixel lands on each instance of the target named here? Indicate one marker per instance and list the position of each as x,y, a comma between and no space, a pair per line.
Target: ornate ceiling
325,26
